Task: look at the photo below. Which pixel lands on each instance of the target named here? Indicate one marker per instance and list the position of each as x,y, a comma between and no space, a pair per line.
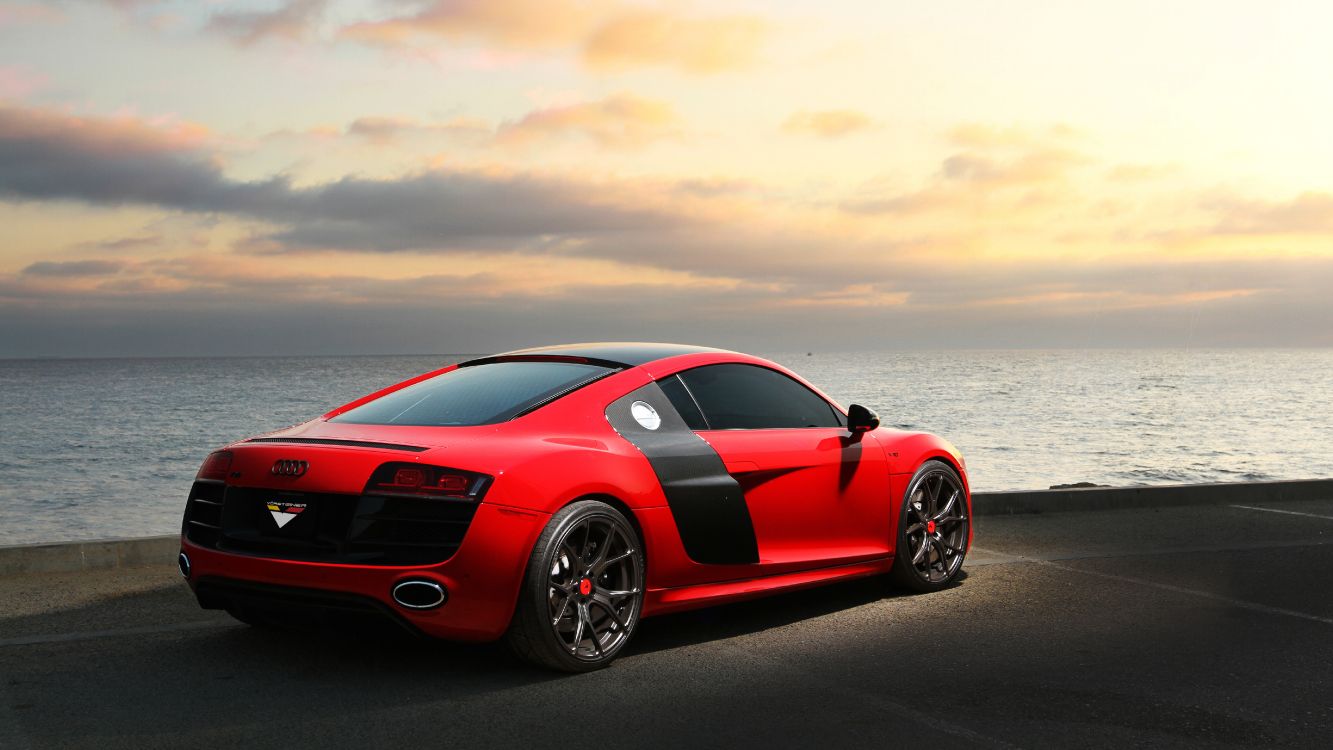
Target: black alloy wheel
932,529
583,591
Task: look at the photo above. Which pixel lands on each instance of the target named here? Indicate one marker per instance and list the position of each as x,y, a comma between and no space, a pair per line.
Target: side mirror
861,419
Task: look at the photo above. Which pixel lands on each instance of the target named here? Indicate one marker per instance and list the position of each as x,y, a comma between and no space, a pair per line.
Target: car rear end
345,529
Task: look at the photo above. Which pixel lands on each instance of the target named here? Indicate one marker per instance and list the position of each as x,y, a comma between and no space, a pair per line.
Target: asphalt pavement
1207,626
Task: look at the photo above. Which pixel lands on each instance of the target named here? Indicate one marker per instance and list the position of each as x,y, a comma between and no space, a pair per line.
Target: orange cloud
981,136
1141,172
621,120
657,38
1012,184
604,34
118,136
833,123
525,24
1310,212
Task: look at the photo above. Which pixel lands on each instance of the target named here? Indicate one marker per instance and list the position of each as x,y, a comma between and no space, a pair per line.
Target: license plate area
288,518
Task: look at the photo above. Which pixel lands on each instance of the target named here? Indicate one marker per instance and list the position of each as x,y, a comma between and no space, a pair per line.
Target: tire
933,526
582,592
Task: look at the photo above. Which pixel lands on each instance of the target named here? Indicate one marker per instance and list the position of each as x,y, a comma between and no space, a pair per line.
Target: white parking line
1284,512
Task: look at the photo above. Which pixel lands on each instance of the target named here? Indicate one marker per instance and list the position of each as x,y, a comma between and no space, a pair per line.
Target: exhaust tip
183,562
419,594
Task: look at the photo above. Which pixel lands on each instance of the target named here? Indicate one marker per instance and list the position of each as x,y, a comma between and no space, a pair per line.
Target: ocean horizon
95,447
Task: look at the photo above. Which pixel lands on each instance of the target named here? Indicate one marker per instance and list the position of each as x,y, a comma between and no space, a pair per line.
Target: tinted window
480,394
683,402
736,397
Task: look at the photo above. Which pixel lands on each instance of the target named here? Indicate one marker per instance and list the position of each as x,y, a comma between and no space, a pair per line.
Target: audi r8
553,497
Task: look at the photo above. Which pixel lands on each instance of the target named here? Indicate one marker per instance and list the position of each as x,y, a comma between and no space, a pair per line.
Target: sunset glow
469,175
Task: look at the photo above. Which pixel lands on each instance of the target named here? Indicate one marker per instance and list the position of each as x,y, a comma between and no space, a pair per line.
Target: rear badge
284,512
645,415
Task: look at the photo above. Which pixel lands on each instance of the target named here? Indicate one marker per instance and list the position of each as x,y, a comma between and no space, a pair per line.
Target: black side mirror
861,419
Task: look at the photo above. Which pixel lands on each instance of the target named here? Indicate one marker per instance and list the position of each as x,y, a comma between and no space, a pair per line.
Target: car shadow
167,622
187,670
725,621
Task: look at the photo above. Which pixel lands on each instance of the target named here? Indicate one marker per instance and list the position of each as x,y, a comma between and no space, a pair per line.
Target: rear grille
355,529
203,513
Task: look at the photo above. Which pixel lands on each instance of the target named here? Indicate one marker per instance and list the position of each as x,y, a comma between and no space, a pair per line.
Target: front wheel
932,529
583,590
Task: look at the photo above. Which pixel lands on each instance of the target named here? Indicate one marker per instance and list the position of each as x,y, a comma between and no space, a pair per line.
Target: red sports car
554,496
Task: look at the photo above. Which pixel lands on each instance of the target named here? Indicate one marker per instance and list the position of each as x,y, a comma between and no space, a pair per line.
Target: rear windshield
479,394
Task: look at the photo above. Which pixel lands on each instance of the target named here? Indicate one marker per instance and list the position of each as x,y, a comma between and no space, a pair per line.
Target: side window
683,402
746,397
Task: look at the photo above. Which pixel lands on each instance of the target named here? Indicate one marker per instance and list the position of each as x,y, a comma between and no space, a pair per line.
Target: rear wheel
932,529
583,590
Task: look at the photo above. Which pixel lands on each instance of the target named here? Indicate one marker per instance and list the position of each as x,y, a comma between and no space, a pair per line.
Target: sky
429,176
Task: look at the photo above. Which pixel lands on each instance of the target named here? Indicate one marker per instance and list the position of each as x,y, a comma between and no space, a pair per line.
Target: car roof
622,353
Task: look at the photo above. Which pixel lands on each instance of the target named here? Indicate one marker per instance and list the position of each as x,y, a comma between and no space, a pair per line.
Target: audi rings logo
288,467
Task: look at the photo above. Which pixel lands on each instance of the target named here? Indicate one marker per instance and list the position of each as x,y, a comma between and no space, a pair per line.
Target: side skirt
664,600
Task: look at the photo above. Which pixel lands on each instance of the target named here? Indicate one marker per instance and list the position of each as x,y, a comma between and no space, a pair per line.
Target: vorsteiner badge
283,512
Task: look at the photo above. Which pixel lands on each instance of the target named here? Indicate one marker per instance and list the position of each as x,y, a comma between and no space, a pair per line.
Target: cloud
589,259
833,123
388,130
105,135
1141,172
657,38
603,34
1310,212
281,310
46,156
968,180
74,268
24,14
975,135
522,24
292,20
1037,165
18,82
620,121
124,244
448,211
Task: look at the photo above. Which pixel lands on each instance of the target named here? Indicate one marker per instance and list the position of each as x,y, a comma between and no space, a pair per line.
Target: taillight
215,466
426,481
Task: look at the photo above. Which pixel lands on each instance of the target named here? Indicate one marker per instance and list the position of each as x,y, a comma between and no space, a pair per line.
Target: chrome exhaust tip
183,562
419,594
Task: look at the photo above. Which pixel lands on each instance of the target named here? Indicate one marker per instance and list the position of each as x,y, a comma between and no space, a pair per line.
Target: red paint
825,505
585,587
816,495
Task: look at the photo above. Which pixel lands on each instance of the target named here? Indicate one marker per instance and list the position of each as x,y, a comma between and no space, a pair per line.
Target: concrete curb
105,554
99,554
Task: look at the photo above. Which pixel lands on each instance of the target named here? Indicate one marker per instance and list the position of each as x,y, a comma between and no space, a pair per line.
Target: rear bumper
482,578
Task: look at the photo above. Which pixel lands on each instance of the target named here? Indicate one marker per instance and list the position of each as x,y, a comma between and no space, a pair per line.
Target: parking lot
1201,626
